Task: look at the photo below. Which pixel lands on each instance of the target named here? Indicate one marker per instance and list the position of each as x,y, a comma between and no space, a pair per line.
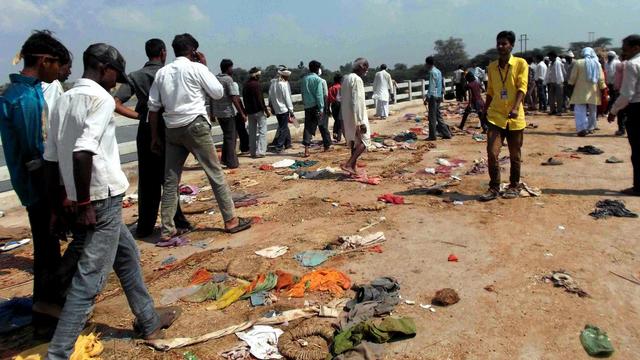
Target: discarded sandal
552,161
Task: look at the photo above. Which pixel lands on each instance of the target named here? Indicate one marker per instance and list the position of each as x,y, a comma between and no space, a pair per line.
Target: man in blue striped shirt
434,99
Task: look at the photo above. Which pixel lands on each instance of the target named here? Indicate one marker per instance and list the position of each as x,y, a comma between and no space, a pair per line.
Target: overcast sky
263,32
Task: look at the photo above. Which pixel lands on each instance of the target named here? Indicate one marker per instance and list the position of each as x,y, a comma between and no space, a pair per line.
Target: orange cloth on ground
285,280
330,280
201,276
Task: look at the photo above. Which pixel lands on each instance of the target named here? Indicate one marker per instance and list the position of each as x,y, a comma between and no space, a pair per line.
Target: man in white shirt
610,68
540,75
282,106
629,100
53,90
82,141
382,87
555,80
458,81
181,88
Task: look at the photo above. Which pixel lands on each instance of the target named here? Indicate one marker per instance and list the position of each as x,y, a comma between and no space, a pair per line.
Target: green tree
449,54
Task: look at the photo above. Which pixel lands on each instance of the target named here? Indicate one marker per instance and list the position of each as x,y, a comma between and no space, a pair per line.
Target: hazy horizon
259,33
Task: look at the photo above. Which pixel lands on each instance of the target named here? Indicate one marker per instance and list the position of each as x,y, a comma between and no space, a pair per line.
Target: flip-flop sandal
175,241
552,161
168,315
243,224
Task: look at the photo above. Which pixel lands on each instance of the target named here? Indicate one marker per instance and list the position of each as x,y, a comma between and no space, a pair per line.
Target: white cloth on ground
356,241
273,251
284,163
263,341
354,109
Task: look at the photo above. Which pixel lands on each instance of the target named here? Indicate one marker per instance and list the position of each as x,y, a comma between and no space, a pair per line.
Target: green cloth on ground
302,164
261,285
208,291
390,328
596,342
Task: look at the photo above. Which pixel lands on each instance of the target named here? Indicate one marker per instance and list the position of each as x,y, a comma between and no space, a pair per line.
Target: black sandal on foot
243,224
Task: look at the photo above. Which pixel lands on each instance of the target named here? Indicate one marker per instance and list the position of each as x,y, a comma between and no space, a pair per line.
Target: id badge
503,94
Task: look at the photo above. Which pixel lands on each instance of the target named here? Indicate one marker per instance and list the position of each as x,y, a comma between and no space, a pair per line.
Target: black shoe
431,139
491,194
620,133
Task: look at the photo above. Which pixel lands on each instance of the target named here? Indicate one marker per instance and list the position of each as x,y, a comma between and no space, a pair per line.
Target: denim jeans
109,245
196,139
257,134
542,95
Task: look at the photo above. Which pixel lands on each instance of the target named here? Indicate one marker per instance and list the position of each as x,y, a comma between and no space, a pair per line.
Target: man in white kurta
354,114
382,87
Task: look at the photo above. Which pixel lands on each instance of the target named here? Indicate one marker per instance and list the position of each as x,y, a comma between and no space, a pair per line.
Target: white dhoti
354,110
382,108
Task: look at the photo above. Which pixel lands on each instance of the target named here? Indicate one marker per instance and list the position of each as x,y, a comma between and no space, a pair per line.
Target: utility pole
523,40
592,36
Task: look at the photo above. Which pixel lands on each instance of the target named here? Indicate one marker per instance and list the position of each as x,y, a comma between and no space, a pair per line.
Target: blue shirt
21,110
312,93
435,83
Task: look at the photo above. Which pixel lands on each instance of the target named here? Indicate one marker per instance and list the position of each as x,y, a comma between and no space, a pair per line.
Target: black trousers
283,135
633,134
338,126
150,180
460,93
314,119
477,108
229,136
243,134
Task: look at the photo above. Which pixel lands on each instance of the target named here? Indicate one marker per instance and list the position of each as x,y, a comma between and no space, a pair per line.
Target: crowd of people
62,154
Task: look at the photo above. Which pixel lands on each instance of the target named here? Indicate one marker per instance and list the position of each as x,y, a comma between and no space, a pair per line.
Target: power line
523,41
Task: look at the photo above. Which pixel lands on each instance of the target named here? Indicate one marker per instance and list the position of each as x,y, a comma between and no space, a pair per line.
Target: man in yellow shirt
508,79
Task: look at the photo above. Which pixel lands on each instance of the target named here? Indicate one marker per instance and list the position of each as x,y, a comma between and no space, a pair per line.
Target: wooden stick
454,244
626,278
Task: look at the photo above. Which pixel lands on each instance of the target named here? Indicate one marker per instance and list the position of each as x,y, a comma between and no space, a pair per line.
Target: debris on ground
262,341
373,207
331,280
390,328
10,245
15,313
87,347
266,167
312,258
372,223
590,150
188,355
552,161
188,190
273,251
173,242
614,160
596,342
284,163
608,207
445,297
452,258
561,278
307,341
391,199
358,241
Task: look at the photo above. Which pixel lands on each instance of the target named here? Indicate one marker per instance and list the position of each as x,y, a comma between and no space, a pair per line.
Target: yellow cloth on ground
513,79
231,296
87,347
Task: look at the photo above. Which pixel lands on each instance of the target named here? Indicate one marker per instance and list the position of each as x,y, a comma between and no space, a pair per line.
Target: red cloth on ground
391,199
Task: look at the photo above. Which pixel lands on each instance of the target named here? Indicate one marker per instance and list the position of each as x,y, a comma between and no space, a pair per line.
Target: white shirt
555,73
630,89
382,85
280,96
541,71
353,107
611,70
457,76
182,88
51,91
82,120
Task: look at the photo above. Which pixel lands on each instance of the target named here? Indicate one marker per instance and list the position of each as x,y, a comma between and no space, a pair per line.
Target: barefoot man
354,114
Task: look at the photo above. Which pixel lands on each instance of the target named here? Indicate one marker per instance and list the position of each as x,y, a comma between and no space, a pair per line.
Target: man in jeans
508,80
83,144
181,88
434,99
150,164
313,99
223,110
629,101
258,113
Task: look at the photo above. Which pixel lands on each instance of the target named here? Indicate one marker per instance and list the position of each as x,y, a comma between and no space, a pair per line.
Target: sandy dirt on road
506,244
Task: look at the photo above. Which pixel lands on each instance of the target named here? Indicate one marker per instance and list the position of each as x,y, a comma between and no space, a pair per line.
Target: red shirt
476,93
334,90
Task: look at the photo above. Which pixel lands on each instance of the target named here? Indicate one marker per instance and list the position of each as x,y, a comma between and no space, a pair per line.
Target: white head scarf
592,64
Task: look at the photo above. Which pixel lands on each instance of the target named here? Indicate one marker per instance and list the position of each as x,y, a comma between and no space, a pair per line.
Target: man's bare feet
350,170
306,152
